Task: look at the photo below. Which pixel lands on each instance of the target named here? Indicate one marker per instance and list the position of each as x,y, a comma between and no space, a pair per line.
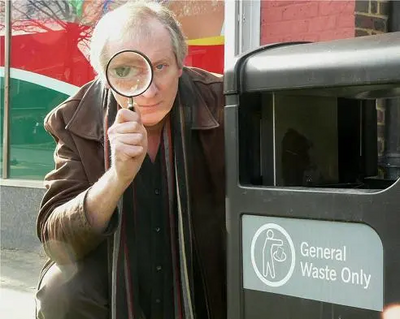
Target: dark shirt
153,241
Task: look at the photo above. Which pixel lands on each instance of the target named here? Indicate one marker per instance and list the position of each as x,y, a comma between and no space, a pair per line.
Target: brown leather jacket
77,127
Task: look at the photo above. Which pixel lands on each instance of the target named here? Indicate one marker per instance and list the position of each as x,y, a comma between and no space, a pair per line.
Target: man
159,252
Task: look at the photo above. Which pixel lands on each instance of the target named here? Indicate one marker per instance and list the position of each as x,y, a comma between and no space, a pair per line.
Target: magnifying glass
129,73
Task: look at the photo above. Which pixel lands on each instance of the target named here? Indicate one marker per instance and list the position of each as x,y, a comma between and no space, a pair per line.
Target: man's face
157,101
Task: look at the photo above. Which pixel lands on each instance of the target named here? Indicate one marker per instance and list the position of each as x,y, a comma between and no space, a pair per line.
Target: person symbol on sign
272,252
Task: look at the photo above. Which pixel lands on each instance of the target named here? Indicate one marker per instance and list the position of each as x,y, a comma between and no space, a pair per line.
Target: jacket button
157,191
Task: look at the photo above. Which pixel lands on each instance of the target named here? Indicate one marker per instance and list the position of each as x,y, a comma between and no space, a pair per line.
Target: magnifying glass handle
130,104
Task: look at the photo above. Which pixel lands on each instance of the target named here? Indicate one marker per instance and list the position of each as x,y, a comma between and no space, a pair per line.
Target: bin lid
369,60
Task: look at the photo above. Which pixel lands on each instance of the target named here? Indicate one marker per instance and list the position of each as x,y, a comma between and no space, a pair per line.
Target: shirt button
157,191
158,300
157,229
158,268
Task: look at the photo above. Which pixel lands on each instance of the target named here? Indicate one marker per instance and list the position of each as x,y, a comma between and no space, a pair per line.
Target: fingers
128,145
125,151
127,121
125,115
126,128
128,139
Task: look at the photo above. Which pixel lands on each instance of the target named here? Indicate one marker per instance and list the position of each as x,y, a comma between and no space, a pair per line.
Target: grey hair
126,21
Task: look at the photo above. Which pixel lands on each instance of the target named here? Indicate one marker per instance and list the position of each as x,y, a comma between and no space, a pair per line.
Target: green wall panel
31,148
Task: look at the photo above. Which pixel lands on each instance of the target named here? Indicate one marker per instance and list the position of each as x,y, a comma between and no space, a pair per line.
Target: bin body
313,221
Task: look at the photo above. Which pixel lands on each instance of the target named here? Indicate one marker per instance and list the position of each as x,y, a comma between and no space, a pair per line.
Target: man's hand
128,142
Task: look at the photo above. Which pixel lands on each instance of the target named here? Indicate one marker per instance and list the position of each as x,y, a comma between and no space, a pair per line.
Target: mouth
150,105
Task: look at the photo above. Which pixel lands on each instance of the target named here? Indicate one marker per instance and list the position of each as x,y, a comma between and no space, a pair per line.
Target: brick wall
380,109
304,20
371,18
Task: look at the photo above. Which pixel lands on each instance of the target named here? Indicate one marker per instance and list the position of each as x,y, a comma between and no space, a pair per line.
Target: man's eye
122,71
125,71
160,67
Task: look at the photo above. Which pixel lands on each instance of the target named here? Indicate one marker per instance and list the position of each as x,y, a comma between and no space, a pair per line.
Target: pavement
19,272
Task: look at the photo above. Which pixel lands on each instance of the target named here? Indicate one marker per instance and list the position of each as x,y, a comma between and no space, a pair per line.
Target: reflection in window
49,62
297,140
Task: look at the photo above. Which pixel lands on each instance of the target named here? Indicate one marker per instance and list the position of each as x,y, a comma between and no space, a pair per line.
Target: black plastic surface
365,68
340,63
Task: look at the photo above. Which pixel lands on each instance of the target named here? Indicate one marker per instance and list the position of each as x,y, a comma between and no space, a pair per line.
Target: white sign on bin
334,262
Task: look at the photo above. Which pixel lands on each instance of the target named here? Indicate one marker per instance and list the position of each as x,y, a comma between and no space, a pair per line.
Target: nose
151,91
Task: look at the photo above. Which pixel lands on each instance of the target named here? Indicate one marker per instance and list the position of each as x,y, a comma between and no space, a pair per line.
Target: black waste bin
313,216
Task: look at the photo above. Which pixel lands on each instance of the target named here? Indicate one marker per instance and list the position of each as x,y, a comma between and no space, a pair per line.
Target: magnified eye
122,71
125,71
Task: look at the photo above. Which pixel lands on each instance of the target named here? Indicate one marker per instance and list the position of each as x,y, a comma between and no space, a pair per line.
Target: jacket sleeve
62,225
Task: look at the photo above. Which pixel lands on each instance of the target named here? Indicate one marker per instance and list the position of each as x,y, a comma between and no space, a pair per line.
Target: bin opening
315,139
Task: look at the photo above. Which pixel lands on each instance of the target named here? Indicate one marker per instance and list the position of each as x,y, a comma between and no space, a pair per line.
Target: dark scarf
124,283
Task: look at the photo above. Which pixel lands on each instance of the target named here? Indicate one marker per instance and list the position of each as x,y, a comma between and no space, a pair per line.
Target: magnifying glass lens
129,73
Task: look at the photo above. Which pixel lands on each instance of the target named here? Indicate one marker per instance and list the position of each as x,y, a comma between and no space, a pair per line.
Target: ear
180,72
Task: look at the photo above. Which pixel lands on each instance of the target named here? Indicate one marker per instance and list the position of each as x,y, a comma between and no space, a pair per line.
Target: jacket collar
94,98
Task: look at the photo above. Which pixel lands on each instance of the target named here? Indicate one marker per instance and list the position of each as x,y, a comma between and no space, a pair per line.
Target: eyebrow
159,61
160,57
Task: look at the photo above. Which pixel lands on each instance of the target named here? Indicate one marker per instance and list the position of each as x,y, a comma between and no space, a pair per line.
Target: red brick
346,21
288,38
286,27
302,10
269,40
344,33
374,23
350,7
322,23
276,3
336,7
307,20
272,15
309,37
